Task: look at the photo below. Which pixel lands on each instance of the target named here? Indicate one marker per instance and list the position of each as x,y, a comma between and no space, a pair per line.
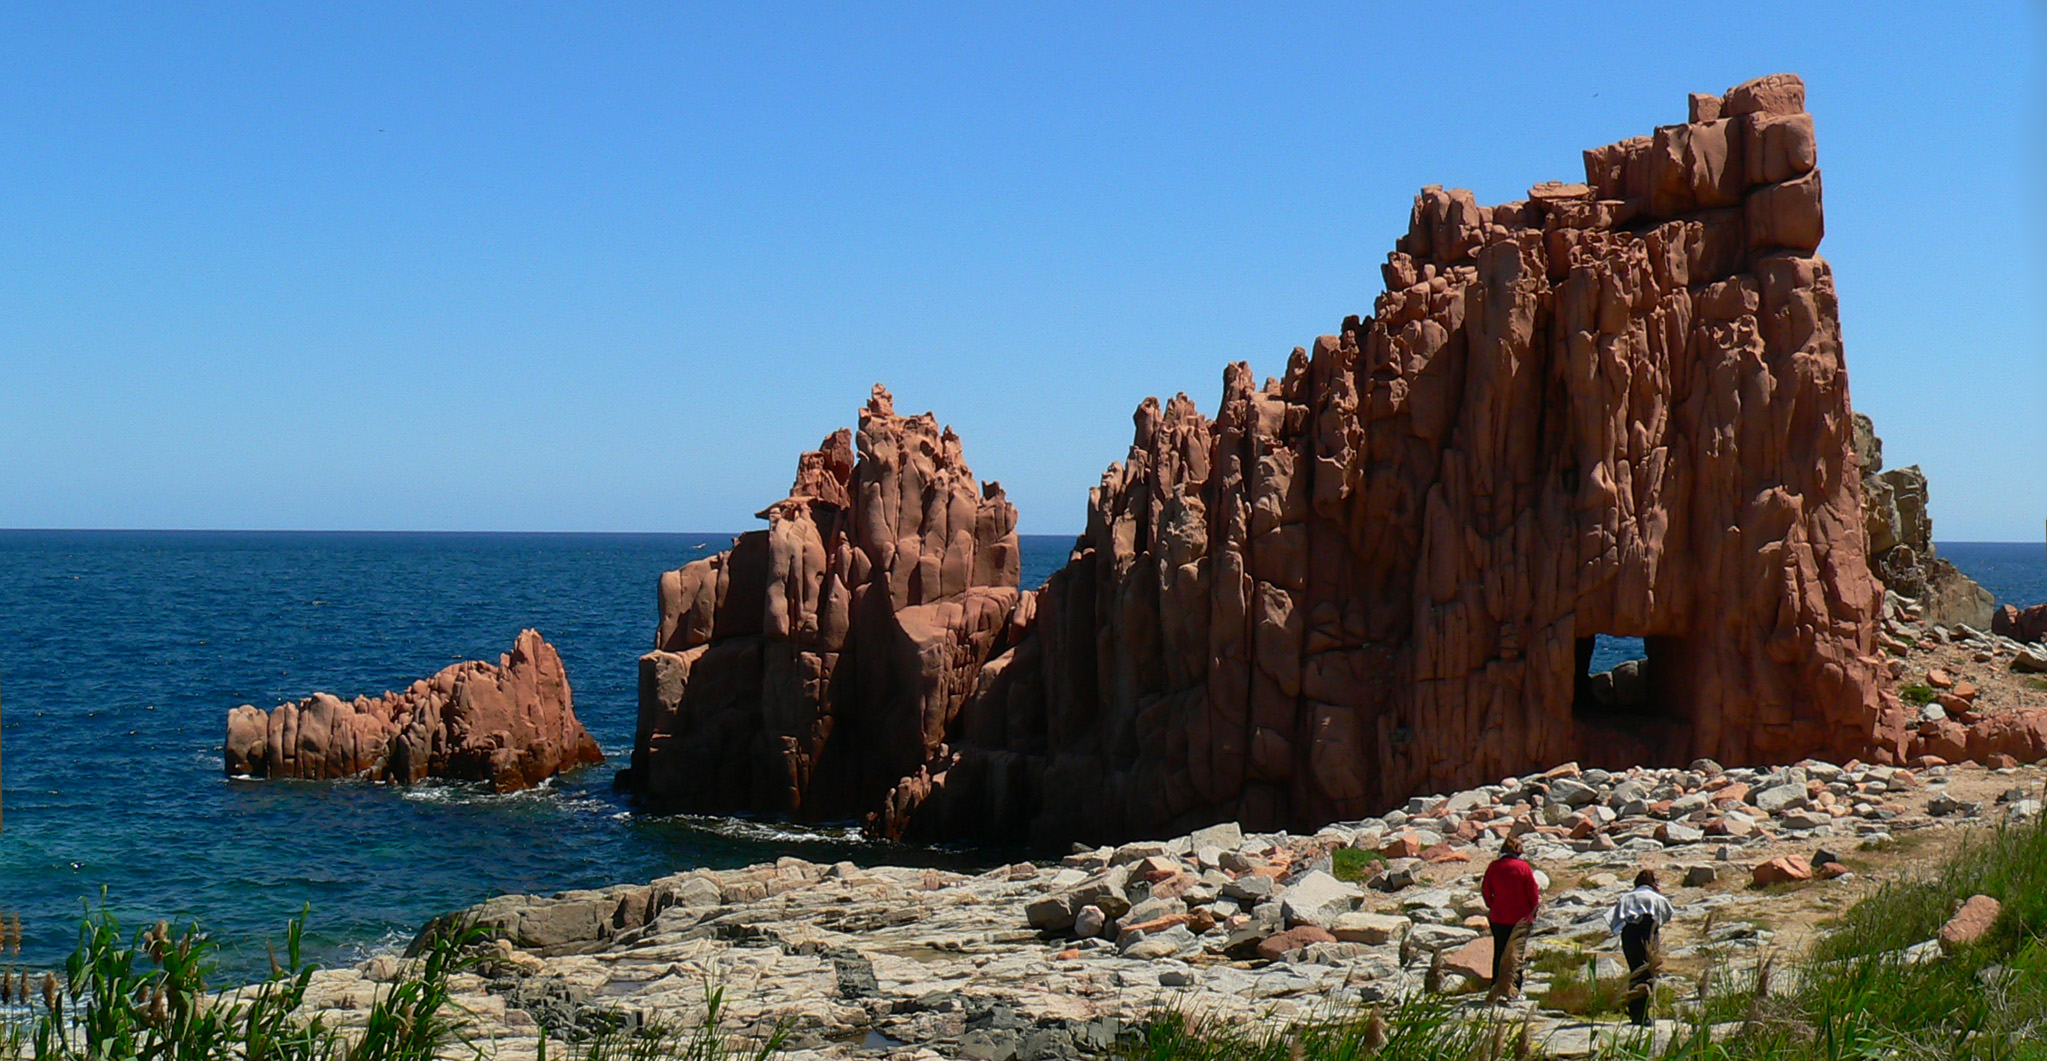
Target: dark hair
1511,846
1645,879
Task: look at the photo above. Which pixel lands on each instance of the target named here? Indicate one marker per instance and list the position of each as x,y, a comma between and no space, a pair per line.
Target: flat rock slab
1474,959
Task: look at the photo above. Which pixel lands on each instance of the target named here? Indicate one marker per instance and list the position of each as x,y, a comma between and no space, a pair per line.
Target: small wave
765,832
392,942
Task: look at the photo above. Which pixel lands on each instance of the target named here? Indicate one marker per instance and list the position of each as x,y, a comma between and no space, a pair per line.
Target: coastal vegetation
150,998
1918,694
1872,987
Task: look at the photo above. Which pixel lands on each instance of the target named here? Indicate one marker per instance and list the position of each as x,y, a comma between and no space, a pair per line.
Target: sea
122,651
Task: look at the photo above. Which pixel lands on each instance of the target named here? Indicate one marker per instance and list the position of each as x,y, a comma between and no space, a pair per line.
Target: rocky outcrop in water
511,725
1616,407
820,660
1900,534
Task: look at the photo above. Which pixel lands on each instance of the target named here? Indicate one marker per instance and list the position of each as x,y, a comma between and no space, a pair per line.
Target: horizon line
592,533
372,530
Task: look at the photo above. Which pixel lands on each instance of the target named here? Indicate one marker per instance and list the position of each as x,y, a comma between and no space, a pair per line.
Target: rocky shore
1057,959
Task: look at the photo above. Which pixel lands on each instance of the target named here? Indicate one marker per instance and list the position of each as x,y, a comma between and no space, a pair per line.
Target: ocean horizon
121,652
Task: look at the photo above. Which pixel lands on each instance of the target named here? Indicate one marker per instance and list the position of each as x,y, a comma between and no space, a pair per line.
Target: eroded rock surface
512,725
1900,533
818,661
1615,407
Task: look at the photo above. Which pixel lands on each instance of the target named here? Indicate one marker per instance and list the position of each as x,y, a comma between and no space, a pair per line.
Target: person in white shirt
1638,918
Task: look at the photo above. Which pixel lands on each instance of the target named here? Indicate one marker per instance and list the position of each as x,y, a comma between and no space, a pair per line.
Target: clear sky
611,266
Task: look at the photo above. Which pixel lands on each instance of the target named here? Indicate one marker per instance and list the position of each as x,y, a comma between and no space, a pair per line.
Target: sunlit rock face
511,725
1618,406
817,662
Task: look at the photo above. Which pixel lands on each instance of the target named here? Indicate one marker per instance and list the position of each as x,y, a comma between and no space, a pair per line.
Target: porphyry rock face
2020,624
511,725
1615,407
823,659
1900,533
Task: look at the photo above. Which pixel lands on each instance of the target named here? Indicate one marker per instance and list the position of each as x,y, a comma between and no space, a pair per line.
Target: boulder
1783,870
1279,945
1971,923
2020,624
1473,959
510,725
1781,798
2031,659
1089,922
1364,927
1318,899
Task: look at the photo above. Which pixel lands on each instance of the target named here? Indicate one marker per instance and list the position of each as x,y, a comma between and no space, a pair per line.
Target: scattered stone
1783,870
1275,947
1970,923
1362,927
1089,922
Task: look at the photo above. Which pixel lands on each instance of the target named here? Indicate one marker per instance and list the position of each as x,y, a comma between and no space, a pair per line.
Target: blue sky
611,267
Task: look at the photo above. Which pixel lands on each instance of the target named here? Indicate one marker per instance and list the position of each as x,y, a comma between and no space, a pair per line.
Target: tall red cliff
1614,407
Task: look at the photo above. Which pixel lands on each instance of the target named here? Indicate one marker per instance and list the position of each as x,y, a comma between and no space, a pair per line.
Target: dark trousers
1501,934
1636,939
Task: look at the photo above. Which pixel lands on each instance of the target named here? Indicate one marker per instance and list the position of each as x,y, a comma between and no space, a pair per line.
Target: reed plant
148,998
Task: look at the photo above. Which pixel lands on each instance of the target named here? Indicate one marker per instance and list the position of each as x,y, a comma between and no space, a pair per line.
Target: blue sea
121,653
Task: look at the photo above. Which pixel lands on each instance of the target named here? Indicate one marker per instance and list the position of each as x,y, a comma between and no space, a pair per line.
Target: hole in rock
1613,675
1629,700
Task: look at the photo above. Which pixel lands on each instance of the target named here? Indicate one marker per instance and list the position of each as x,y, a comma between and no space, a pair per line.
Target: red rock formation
2020,624
512,725
1614,407
819,661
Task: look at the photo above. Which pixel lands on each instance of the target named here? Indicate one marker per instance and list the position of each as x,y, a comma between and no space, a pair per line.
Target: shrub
1352,864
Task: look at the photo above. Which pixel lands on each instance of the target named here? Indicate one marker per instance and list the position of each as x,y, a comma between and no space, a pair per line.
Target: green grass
1854,997
1423,1028
148,998
2037,683
1858,998
1352,864
1917,694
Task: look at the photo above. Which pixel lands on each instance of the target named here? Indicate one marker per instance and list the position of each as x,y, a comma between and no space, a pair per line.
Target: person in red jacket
1511,898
